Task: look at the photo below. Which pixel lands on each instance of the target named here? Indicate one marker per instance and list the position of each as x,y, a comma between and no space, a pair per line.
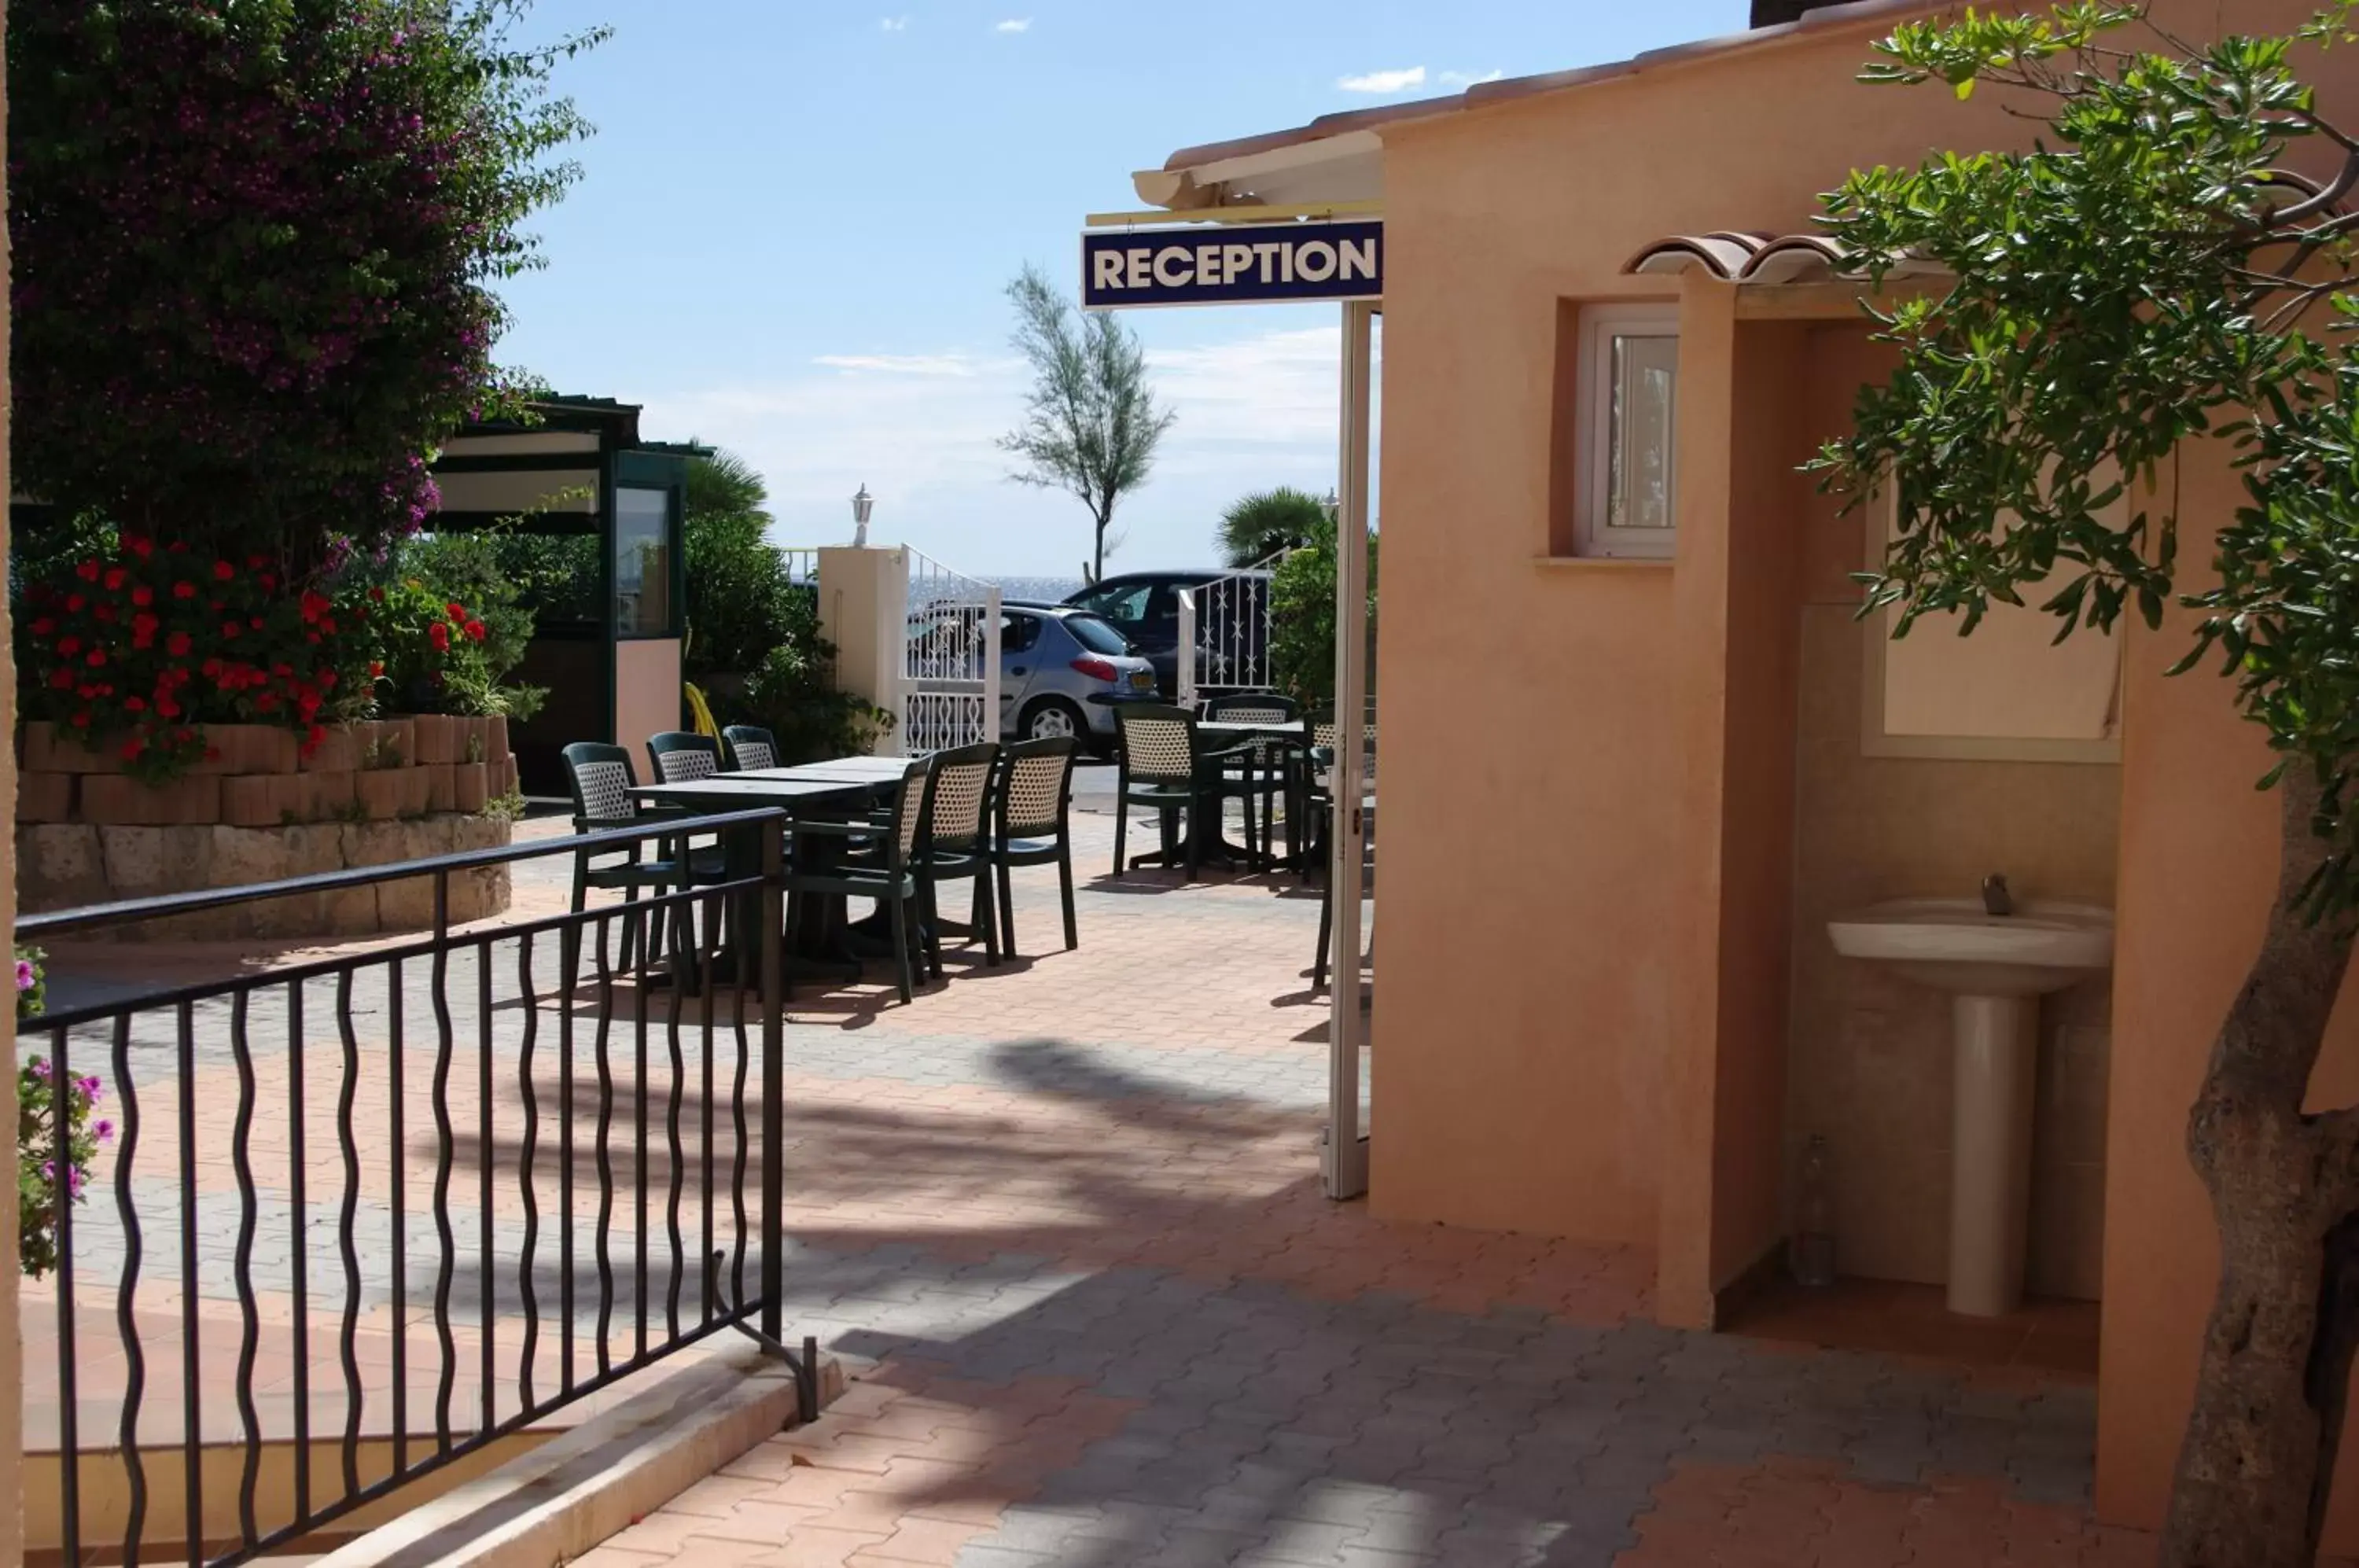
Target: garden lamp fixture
1333,506
861,504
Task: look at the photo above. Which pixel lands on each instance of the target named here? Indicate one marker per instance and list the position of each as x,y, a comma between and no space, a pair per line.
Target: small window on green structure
643,564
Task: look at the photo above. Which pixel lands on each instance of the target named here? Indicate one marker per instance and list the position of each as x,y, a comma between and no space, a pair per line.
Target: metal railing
1224,633
949,677
395,1310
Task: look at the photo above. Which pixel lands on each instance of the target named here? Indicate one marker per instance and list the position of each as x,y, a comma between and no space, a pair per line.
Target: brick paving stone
1070,1212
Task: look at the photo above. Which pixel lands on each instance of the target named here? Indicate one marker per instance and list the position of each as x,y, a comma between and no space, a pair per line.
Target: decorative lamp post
1334,505
863,504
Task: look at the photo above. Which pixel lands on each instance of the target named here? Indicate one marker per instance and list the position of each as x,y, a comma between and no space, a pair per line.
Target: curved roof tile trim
1736,258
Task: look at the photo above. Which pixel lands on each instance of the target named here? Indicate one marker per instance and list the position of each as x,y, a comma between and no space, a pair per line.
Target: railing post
772,942
1187,673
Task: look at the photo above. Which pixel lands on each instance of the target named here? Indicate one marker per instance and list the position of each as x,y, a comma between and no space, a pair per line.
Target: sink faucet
1997,900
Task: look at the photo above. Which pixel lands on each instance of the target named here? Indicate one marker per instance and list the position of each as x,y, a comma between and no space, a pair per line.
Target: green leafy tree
256,246
1302,618
1258,526
2140,281
1090,422
740,596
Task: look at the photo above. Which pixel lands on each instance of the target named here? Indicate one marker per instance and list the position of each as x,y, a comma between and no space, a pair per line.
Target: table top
836,768
1252,727
815,780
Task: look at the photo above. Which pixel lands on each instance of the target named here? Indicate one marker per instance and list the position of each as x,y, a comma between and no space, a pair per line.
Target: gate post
773,1085
863,610
1187,671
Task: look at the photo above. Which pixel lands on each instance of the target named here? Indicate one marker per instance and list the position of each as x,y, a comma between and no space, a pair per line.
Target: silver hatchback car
1062,671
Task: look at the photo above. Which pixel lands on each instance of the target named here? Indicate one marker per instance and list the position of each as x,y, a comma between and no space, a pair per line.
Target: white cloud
900,363
1384,80
894,24
1013,25
1468,78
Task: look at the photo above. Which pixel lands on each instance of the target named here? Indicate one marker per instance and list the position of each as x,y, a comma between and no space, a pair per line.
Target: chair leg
1065,886
990,906
1195,829
900,908
1005,892
1326,935
930,912
1121,815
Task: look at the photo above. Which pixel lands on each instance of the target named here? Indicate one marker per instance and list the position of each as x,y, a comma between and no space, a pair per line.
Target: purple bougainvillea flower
24,975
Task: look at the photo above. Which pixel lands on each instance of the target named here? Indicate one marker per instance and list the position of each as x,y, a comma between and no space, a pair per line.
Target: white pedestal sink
1996,969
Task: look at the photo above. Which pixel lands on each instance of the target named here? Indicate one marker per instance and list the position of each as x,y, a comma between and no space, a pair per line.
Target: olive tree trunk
2258,1455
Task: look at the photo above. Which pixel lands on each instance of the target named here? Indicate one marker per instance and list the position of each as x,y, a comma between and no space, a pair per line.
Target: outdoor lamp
861,504
1334,505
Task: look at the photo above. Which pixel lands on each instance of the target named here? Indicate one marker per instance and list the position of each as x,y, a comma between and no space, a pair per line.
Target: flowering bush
454,628
255,256
32,984
40,1101
136,643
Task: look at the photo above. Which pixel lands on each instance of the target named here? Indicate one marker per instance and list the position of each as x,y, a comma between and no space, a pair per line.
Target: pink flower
24,975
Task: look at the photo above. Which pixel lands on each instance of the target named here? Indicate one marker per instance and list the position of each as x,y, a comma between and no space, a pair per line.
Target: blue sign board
1240,265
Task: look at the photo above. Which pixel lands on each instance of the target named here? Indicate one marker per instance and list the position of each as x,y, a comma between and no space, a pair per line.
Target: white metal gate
1224,633
949,660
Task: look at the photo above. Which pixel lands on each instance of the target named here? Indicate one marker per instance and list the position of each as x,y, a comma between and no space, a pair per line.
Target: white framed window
1626,456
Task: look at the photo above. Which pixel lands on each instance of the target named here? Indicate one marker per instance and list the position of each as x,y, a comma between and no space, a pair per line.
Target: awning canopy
1734,256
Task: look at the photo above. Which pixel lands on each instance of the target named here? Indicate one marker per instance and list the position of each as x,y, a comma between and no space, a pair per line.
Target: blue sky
797,217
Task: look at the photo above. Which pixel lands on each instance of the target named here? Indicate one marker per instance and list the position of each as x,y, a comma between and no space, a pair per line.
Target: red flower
44,626
172,710
257,562
180,547
457,612
438,635
81,721
87,572
378,595
327,679
177,645
113,578
184,590
97,660
103,612
282,670
314,607
255,621
143,594
230,628
139,545
269,582
474,631
135,704
69,646
62,679
211,667
266,702
223,571
376,669
74,602
132,749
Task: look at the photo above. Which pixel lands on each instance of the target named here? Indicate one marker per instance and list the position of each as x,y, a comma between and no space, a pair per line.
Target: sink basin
1995,968
1954,945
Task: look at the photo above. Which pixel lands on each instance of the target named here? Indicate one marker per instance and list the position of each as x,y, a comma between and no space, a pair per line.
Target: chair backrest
601,779
909,810
1253,708
748,745
681,757
1034,787
957,782
1158,741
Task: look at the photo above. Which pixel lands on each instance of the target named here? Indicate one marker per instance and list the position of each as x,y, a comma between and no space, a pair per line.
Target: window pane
1646,382
1096,634
642,563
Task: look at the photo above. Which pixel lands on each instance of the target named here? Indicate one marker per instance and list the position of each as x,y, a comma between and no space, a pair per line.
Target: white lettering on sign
1140,258
1359,259
1109,268
1163,275
1269,251
1315,261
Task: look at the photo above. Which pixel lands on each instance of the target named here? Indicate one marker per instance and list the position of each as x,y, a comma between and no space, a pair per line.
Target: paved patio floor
1068,1211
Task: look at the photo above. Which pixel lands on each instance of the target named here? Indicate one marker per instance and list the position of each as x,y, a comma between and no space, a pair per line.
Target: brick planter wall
373,793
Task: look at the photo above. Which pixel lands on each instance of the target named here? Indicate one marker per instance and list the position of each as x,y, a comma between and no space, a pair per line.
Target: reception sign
1240,265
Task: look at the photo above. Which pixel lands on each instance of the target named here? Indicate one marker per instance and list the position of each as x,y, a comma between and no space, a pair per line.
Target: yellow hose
701,711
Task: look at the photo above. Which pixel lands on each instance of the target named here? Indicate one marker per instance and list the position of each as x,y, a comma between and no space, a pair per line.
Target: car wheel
1053,718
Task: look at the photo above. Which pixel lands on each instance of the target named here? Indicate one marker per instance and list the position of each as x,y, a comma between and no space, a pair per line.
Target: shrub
1302,619
467,673
255,255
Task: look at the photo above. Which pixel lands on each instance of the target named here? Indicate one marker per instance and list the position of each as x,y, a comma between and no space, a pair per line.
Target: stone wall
260,808
63,865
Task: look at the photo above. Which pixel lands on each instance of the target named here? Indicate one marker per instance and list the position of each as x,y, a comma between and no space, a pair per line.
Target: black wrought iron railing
366,1216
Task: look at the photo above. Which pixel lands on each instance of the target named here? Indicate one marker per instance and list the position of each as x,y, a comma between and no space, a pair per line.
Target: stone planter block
52,748
378,794
339,750
509,775
439,787
49,797
470,786
434,737
242,749
268,799
115,801
329,798
397,743
495,736
416,790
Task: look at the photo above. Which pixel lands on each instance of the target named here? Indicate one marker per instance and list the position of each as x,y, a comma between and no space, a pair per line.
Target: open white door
1345,1166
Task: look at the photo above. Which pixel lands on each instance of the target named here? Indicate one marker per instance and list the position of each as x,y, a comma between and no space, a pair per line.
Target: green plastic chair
1163,765
600,777
954,841
683,757
1030,816
880,863
747,747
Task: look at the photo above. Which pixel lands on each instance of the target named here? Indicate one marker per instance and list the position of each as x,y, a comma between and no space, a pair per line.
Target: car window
1096,634
1124,606
1018,633
1165,605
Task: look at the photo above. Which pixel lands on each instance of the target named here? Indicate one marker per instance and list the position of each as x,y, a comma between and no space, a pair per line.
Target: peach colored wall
2199,855
1562,1055
647,693
12,1431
